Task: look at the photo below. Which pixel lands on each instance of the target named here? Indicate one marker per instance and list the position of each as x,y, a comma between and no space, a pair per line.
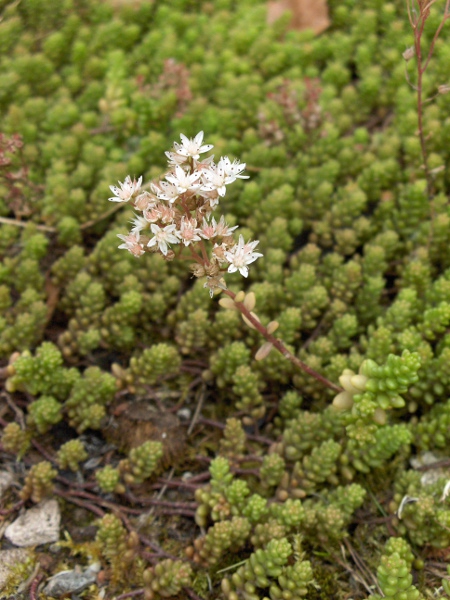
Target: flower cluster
177,212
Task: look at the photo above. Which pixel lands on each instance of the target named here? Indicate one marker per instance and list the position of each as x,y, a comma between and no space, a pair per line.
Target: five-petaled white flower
163,237
217,177
241,255
182,180
233,169
132,243
166,191
191,147
128,189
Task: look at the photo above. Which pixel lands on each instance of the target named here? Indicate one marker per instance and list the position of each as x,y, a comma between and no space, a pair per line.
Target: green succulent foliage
234,439
153,364
167,578
43,373
15,439
374,452
71,454
425,511
222,537
142,462
356,270
267,568
112,537
386,383
394,572
329,518
108,479
44,413
87,400
39,482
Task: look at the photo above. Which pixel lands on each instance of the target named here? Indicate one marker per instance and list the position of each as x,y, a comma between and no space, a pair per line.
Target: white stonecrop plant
176,213
175,219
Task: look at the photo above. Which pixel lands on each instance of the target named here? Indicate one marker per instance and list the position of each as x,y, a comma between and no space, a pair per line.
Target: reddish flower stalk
177,212
418,13
278,344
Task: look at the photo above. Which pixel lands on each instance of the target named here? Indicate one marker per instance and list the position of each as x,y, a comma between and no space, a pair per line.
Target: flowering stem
278,344
418,25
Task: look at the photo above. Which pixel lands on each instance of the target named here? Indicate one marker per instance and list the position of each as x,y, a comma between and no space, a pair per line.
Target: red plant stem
4,512
164,503
43,451
130,594
436,35
87,505
417,25
177,484
278,344
418,31
34,586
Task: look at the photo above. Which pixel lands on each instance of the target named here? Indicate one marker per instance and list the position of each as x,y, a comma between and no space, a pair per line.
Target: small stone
38,525
6,480
184,414
71,582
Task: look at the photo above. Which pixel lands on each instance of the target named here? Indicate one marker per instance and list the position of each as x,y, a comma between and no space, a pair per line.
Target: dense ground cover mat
225,301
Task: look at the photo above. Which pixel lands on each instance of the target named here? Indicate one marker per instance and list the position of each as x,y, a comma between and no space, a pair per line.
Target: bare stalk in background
418,13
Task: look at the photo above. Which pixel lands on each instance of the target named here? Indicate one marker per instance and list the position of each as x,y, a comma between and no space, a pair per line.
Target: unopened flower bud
409,53
143,200
212,270
198,270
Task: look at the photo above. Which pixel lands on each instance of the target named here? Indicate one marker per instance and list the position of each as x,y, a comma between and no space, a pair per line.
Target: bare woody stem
278,344
417,25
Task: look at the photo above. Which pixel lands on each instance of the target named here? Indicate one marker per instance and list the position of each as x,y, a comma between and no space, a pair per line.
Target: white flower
211,198
139,223
175,159
166,191
233,169
222,229
167,213
163,237
128,189
182,181
144,201
191,147
132,243
213,229
217,177
152,214
188,231
241,255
